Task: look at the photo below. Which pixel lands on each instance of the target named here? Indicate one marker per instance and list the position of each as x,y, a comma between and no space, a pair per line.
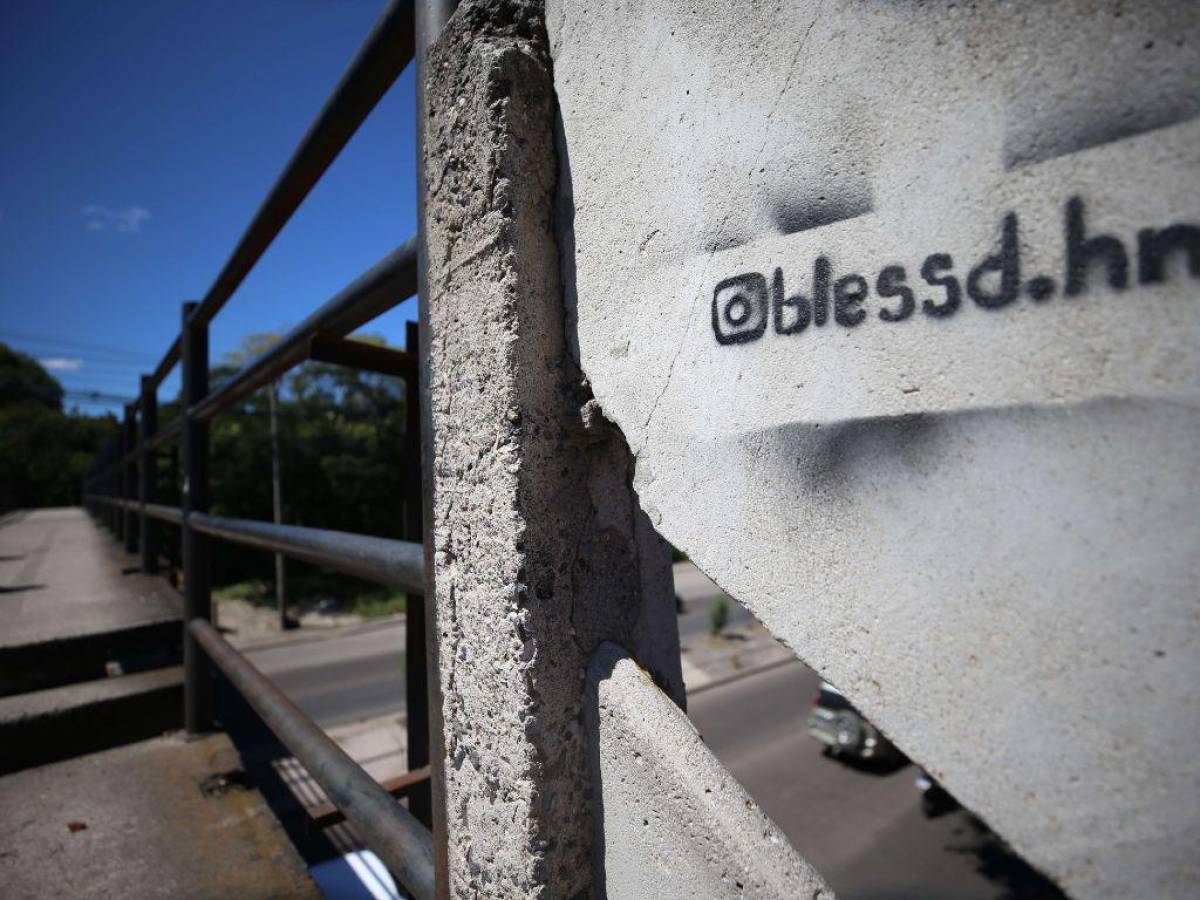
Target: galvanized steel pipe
397,563
386,827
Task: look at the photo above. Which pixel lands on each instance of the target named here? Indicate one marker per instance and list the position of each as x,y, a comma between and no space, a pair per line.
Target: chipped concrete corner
673,822
541,549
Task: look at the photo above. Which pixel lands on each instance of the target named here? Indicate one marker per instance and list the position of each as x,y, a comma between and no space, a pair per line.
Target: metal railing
120,488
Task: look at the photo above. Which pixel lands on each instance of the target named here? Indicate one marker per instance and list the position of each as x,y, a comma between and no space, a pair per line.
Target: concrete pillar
542,551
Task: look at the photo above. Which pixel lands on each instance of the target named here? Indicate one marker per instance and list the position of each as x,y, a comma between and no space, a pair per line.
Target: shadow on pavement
999,864
879,767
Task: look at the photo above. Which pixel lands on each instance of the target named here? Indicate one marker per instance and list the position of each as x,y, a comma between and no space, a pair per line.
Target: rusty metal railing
120,489
403,843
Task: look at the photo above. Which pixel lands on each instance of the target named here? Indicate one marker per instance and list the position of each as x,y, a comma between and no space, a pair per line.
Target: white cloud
126,221
62,363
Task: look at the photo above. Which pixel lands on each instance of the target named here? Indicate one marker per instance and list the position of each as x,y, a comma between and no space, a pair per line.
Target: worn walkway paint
897,307
541,548
672,821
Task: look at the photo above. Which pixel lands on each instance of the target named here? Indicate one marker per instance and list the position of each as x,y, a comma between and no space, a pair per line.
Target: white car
844,731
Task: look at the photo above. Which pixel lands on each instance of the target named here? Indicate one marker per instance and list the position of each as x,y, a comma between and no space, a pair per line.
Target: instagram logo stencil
739,309
1159,254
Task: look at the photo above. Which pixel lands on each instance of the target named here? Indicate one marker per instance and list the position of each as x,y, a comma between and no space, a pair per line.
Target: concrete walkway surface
60,578
165,818
72,600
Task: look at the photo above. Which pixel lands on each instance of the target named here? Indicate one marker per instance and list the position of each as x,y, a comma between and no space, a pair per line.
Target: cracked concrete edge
541,550
672,821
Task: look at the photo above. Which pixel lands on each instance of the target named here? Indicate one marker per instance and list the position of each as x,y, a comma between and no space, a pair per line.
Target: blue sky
139,139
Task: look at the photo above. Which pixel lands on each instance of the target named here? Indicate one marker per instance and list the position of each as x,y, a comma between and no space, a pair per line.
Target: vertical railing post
197,595
416,661
97,486
114,489
114,485
103,485
175,550
277,509
118,485
100,486
147,472
130,527
109,484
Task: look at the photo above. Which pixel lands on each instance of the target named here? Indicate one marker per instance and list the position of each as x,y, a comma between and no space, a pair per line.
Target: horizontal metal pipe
114,501
171,514
386,827
379,62
397,563
382,560
362,356
390,281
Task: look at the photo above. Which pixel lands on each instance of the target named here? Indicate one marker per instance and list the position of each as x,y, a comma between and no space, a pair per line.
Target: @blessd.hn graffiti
743,306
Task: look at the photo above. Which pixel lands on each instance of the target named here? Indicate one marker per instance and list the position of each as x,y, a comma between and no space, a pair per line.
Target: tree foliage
341,437
43,451
23,380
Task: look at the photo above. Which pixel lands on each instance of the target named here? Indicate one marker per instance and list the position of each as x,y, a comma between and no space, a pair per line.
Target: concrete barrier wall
897,307
671,822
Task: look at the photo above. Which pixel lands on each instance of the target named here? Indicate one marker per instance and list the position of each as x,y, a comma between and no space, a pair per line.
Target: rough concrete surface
135,822
541,548
969,501
72,601
672,821
61,579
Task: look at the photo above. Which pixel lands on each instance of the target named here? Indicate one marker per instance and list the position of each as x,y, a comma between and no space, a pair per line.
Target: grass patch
256,591
382,602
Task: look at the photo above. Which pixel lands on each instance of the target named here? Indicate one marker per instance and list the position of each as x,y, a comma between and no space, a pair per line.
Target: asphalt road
355,675
359,673
863,831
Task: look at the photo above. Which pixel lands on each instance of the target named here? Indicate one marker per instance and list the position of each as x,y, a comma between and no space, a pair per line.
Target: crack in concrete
787,83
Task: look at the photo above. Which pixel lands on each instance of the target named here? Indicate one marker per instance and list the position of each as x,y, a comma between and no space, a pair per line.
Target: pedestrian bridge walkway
100,795
71,600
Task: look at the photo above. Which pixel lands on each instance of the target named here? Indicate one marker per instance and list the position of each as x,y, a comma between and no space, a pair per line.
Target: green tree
43,451
340,434
23,380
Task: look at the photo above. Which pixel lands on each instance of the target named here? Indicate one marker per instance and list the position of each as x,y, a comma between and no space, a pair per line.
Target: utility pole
277,503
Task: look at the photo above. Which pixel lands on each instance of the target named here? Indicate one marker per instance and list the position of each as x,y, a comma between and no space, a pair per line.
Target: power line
64,342
96,397
76,377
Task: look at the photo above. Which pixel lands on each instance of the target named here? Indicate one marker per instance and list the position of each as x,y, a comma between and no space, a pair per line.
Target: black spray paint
744,306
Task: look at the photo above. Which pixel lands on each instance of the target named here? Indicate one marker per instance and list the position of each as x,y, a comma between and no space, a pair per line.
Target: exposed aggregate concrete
541,548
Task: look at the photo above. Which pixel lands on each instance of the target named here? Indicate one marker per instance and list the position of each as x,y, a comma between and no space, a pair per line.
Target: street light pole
277,504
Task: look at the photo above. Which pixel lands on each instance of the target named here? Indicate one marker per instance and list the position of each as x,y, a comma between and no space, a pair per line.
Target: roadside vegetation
318,591
718,615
